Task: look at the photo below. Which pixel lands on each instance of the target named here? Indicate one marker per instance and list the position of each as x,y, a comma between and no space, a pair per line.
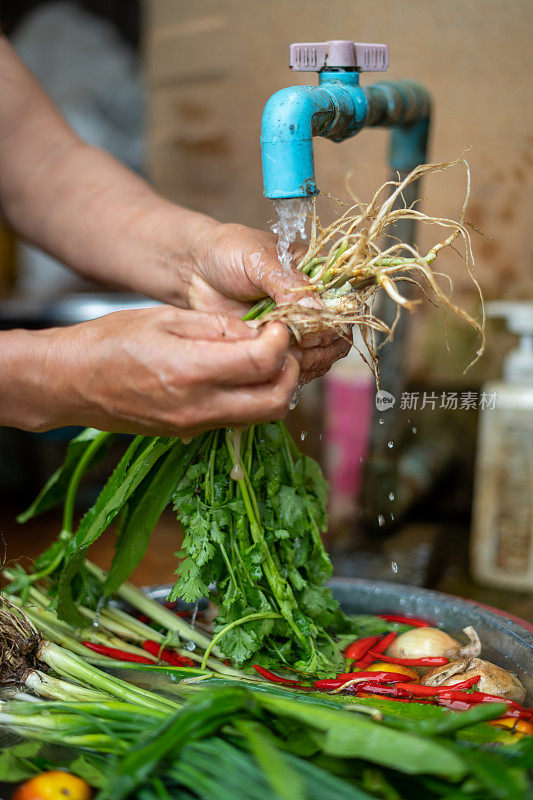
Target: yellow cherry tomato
517,725
54,785
381,666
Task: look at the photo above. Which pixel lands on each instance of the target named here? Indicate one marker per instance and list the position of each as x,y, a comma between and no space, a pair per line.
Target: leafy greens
253,544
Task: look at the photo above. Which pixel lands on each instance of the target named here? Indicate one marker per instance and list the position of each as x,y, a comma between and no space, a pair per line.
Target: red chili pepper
466,684
379,677
377,688
169,656
380,647
434,691
427,661
478,697
418,689
359,648
385,642
416,622
272,677
328,684
514,713
120,655
455,705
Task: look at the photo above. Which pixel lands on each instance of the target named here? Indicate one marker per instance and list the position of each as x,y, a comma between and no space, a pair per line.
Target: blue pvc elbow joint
292,117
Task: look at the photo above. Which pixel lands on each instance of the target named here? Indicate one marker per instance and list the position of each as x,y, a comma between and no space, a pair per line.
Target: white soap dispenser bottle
502,535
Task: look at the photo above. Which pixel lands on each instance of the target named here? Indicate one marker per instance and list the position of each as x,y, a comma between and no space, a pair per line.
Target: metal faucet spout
292,117
336,109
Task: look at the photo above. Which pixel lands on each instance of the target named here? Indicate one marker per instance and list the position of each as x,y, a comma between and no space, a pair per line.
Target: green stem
226,628
77,475
280,589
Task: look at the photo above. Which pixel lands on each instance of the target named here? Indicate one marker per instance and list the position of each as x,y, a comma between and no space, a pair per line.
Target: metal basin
506,640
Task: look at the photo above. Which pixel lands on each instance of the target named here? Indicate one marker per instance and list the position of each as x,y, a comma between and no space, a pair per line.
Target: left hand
233,266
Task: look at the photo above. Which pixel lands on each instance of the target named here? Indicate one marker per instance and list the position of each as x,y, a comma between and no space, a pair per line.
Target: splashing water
292,214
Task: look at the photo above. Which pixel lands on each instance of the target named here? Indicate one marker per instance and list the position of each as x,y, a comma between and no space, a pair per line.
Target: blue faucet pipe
337,109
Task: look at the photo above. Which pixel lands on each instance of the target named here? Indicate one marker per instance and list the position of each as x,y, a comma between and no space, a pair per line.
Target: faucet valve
338,55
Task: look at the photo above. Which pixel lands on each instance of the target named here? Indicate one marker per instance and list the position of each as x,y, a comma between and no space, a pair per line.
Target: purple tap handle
341,54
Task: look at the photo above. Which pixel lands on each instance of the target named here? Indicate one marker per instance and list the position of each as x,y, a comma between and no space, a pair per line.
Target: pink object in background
348,412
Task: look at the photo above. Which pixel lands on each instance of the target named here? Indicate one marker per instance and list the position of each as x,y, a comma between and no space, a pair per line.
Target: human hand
234,265
161,371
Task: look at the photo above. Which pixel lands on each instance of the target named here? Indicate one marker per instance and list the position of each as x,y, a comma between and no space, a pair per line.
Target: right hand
166,371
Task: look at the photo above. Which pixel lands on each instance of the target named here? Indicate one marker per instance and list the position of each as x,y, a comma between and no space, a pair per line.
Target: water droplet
414,429
390,445
381,520
190,646
320,436
99,606
391,496
392,517
295,398
303,436
394,566
194,614
381,420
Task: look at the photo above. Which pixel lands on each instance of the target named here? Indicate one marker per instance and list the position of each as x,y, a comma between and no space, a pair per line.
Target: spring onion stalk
71,666
154,610
115,629
47,686
22,648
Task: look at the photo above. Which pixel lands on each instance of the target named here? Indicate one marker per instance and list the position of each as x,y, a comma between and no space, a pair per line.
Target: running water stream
292,215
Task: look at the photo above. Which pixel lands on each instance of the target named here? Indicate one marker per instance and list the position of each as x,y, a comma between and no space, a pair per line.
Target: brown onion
422,642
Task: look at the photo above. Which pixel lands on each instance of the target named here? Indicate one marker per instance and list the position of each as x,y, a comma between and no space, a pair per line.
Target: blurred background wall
212,65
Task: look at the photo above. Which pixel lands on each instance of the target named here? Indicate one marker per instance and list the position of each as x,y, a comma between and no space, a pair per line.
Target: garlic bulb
422,642
493,679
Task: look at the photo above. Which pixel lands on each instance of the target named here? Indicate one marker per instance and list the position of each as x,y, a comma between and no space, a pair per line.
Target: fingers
205,327
263,403
244,362
317,362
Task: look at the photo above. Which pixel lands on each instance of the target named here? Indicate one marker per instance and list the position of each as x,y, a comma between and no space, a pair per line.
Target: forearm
80,204
105,222
31,380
